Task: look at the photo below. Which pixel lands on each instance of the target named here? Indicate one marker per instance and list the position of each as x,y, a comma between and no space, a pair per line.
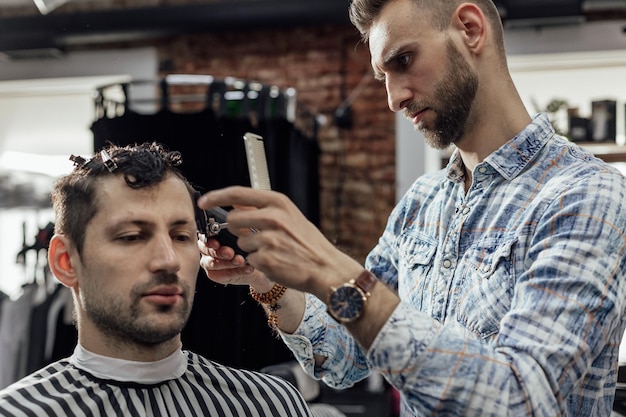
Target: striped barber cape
205,389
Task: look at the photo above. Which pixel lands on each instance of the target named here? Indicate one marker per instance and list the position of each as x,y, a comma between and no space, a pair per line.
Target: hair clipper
212,223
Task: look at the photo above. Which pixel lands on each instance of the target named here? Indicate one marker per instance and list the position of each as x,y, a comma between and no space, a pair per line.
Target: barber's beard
113,315
454,96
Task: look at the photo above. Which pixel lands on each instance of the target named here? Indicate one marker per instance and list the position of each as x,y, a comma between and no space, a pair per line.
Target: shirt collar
511,158
105,367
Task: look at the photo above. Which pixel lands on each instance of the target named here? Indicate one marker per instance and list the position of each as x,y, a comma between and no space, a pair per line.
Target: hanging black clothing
52,336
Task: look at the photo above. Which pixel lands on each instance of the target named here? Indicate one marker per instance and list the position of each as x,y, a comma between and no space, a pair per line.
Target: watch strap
366,281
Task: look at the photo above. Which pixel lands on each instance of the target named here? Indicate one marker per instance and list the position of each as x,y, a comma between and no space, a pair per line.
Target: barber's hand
223,266
286,247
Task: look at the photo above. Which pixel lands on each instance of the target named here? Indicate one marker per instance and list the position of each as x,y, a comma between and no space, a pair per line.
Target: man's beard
454,96
115,318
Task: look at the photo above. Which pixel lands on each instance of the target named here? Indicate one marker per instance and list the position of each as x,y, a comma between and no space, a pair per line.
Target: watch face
346,303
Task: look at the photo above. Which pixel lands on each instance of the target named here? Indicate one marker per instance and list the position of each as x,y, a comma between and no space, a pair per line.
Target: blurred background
195,74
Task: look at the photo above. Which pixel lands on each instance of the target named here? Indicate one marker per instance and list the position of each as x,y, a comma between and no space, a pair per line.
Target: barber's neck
496,118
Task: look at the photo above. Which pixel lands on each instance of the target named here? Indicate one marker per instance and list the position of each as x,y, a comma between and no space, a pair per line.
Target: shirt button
482,170
447,263
466,210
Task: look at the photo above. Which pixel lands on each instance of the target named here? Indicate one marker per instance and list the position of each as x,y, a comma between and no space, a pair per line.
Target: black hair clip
107,161
79,161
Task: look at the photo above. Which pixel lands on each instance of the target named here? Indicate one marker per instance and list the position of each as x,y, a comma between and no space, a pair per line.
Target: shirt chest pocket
415,262
486,287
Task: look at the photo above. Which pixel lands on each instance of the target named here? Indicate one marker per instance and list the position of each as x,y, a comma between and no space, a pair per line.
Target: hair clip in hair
107,161
79,161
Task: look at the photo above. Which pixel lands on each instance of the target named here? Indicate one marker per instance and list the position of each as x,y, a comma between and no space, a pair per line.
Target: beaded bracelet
270,299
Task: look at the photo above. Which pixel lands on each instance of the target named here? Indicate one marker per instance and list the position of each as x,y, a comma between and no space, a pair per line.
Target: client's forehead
118,202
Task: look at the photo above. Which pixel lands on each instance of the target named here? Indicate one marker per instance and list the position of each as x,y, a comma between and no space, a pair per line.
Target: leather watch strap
366,281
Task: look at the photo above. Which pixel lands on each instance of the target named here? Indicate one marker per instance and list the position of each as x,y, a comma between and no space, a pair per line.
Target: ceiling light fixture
46,6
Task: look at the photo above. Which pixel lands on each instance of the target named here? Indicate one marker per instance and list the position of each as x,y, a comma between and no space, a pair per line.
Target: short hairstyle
73,195
364,12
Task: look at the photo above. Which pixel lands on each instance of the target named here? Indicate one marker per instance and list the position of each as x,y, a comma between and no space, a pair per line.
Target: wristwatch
346,303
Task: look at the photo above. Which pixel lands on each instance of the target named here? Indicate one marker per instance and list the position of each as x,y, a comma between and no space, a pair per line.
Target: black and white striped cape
205,389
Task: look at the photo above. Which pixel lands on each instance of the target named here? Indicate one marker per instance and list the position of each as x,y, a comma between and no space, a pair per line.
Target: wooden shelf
608,152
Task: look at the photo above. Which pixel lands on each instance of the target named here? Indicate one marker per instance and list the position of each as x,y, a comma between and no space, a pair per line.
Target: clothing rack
36,323
230,97
24,190
38,262
42,241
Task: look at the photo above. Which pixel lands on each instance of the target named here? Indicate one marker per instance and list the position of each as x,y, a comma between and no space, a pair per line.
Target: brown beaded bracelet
270,299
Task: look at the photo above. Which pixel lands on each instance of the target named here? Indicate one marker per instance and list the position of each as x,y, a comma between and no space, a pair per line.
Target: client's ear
60,260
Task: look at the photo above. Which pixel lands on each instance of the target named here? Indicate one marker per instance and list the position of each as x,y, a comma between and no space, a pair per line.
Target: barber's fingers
235,276
237,196
229,272
211,263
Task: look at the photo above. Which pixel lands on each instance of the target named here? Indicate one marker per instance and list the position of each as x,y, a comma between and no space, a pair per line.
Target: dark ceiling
21,34
61,30
552,10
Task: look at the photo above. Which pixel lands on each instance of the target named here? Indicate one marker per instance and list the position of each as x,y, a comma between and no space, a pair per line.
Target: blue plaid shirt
512,293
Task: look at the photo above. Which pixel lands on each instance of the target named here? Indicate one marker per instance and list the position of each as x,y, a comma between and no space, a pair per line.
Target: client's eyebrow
143,224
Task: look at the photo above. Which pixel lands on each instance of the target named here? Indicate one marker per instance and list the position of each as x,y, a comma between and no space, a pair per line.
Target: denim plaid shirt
512,294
